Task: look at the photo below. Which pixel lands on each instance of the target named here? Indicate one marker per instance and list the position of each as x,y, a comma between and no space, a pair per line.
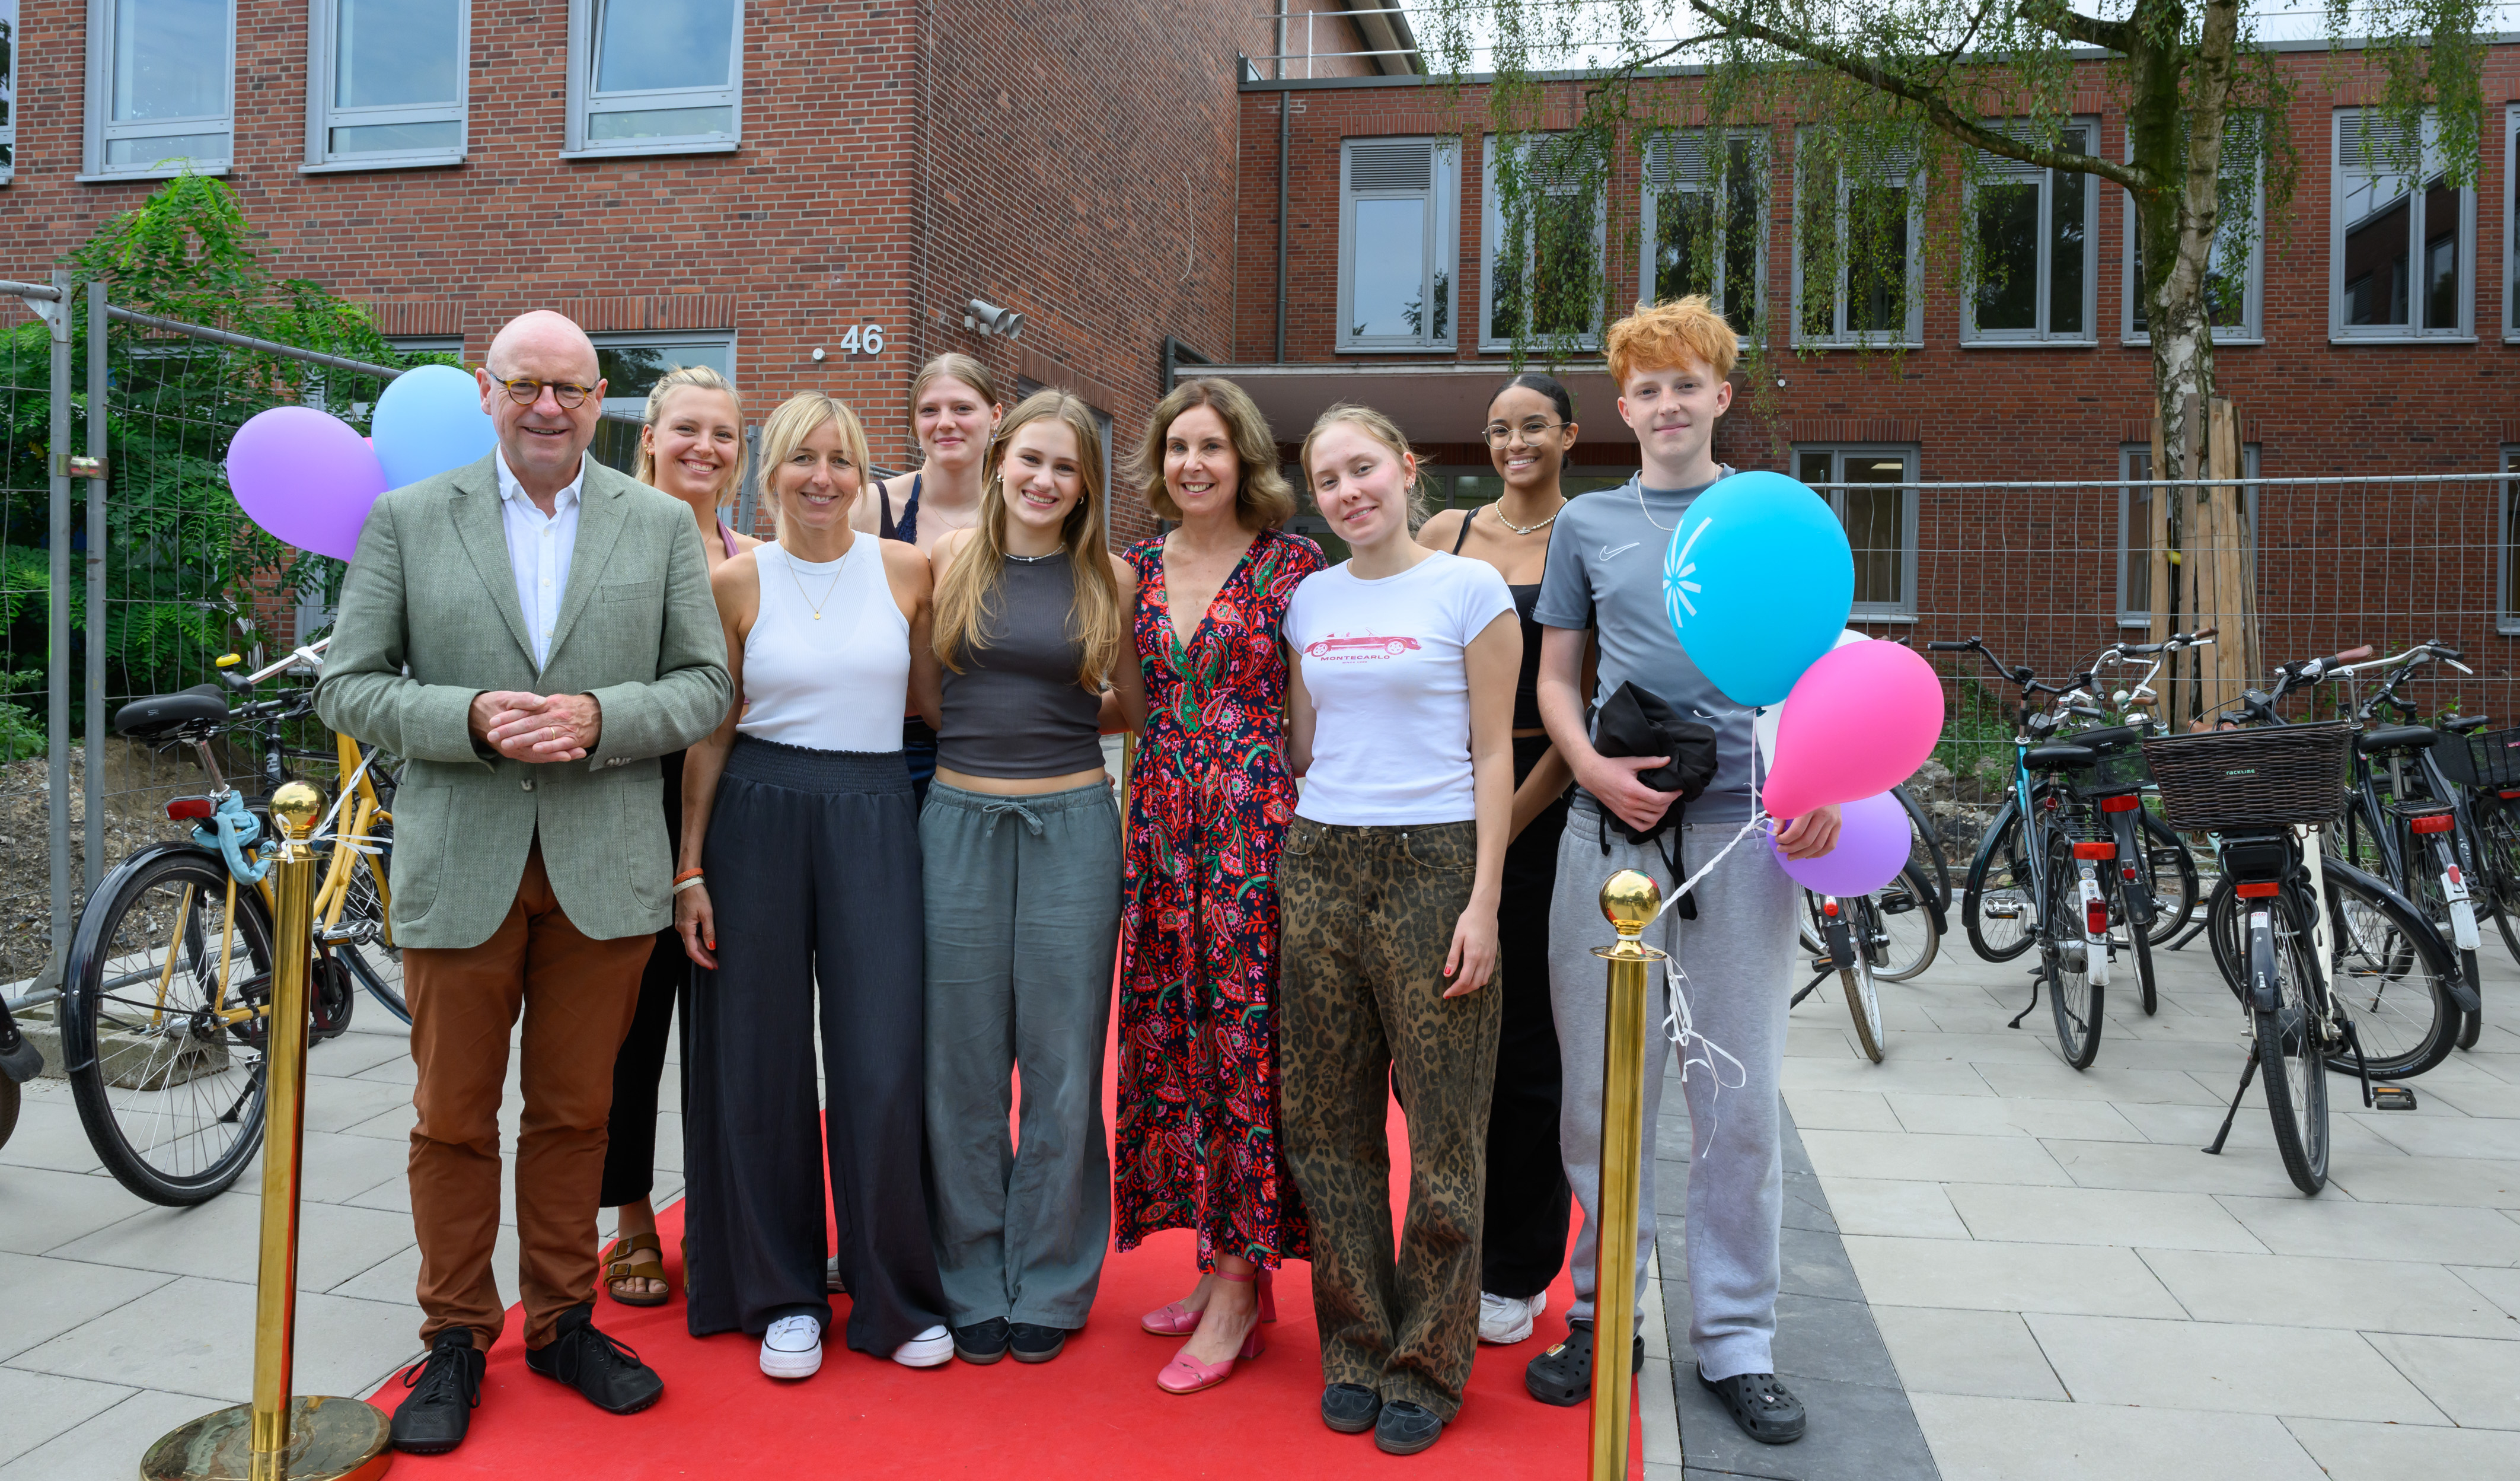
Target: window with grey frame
1879,510
8,90
2506,607
1704,223
385,82
160,87
1535,276
655,77
2136,547
1858,268
2402,240
2511,224
2234,299
2032,259
1398,214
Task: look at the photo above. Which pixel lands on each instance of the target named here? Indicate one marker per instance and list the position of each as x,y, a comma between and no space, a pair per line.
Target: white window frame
1904,608
2010,171
643,339
2510,226
1442,193
9,91
2251,330
1492,234
321,116
2338,331
1838,337
100,130
1662,177
583,100
2251,482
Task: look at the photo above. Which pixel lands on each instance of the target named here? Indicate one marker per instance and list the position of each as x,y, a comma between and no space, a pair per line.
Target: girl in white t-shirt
1401,710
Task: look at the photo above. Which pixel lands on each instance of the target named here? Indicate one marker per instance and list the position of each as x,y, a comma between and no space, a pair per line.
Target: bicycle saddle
2467,724
2059,756
2396,739
2107,737
143,719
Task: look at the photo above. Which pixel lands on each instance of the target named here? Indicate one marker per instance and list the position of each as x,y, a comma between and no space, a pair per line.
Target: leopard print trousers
1369,918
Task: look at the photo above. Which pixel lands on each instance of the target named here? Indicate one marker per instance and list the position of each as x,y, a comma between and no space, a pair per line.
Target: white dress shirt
538,549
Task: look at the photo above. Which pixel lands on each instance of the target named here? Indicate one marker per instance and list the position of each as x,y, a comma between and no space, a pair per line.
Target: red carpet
1095,1412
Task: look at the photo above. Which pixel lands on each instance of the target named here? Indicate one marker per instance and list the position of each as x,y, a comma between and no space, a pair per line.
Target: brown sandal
635,1256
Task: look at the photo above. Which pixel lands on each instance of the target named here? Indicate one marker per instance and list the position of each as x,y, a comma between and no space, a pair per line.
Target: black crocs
1563,1374
1766,1409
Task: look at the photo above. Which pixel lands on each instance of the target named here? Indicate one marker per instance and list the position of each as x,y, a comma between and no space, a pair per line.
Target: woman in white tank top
797,813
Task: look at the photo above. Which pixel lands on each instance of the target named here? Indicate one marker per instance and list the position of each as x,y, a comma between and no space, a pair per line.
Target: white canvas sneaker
932,1348
793,1348
1506,1320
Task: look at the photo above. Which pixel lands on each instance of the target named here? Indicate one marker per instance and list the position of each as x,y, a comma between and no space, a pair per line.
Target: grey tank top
1016,709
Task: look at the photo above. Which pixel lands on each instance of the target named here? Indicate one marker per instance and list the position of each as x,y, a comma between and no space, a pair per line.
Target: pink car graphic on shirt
1360,647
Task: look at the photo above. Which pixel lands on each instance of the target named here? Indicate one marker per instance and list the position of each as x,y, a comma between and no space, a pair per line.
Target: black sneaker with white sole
1766,1409
1563,1374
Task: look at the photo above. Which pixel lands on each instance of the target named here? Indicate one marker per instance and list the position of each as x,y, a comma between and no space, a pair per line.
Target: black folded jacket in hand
1635,721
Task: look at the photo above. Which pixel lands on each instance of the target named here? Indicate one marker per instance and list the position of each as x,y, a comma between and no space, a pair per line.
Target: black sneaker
1350,1407
982,1342
445,1388
1405,1428
1035,1344
606,1371
1766,1409
1563,1374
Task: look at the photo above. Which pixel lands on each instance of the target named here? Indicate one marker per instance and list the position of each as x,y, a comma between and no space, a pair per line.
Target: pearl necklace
1498,508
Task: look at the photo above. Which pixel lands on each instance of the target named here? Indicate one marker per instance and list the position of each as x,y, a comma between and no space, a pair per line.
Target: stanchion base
328,1440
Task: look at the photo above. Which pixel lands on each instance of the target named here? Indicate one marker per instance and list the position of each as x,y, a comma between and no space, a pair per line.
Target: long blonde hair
692,378
952,365
967,599
797,418
1381,429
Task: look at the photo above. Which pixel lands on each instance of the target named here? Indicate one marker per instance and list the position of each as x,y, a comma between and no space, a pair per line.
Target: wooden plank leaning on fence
2206,562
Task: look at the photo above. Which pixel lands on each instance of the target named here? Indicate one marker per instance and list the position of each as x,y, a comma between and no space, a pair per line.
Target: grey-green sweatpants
1023,921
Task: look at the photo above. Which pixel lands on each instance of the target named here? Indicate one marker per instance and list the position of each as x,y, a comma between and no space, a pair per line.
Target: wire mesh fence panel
25,590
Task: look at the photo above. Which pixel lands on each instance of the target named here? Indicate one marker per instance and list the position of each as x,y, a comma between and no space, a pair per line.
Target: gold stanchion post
1631,902
279,1437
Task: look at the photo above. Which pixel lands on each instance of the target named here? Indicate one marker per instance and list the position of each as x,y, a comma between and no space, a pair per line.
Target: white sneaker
793,1348
1506,1320
932,1348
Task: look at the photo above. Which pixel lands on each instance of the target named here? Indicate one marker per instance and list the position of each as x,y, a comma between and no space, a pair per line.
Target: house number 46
862,338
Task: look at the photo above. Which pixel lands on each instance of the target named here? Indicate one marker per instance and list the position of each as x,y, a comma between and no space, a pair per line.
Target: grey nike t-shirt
1606,572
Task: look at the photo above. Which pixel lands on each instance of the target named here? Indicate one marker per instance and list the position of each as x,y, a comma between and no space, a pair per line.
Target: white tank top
833,683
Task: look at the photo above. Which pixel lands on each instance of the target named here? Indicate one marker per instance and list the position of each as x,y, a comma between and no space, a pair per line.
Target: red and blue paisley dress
1196,1141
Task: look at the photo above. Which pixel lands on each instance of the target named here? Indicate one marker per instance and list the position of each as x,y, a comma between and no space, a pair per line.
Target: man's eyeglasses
1533,428
525,391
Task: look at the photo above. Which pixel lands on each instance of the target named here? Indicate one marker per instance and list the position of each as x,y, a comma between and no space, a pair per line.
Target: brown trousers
577,994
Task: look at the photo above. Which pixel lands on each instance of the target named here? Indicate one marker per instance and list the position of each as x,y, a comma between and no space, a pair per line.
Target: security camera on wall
990,319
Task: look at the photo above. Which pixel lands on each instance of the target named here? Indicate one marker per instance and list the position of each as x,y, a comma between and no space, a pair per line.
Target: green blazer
429,618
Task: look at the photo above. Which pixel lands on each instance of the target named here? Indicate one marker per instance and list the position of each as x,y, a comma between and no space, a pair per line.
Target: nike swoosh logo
1607,551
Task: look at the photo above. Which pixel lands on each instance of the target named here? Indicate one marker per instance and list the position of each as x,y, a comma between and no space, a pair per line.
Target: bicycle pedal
2392,1097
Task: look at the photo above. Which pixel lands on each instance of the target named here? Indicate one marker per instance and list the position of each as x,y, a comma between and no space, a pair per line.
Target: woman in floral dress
1197,1144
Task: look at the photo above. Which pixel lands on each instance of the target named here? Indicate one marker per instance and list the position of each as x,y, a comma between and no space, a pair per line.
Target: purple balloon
1871,849
306,478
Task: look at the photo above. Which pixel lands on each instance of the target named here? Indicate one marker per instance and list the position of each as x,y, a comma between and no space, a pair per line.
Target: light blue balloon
1757,582
428,421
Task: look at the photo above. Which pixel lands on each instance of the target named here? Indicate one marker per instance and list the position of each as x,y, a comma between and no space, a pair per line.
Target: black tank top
1526,686
906,530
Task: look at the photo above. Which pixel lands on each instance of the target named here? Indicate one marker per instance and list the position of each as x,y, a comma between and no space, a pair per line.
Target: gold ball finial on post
1630,901
294,807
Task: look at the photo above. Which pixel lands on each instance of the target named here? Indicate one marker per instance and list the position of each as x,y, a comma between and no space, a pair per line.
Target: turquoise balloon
428,421
1758,583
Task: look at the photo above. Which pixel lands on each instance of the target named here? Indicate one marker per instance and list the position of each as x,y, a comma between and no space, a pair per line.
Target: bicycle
1844,928
168,979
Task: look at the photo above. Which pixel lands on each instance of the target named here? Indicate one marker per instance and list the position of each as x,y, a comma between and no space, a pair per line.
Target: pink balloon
1860,720
1871,849
306,478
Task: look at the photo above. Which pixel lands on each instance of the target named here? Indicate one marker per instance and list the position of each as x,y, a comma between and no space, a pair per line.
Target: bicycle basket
2496,755
2269,777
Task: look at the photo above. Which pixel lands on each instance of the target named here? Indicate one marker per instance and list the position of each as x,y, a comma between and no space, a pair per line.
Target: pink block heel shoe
1179,1321
1186,1374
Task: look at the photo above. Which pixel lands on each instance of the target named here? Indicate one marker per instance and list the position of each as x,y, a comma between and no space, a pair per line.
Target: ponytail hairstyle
968,598
1381,429
952,365
1548,386
797,418
698,378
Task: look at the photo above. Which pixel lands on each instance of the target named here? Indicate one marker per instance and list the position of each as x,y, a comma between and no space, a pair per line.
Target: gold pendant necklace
811,605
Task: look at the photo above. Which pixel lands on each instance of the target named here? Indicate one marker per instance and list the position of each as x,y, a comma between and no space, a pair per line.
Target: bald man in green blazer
528,634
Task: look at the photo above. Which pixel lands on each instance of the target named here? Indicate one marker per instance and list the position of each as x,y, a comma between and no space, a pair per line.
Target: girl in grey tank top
1017,708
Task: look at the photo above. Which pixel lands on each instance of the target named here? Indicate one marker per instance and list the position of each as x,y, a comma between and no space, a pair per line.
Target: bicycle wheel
1997,906
365,943
2501,868
9,1097
1905,940
2171,871
2391,975
168,1076
1856,975
2139,948
2424,887
2292,1057
2071,993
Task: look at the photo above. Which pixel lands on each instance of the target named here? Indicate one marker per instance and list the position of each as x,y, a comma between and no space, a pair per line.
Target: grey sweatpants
1738,958
1023,922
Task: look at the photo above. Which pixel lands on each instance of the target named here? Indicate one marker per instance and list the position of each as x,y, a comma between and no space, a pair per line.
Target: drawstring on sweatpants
996,806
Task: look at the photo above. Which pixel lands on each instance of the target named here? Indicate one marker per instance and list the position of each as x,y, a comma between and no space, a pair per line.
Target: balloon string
1758,816
1681,1028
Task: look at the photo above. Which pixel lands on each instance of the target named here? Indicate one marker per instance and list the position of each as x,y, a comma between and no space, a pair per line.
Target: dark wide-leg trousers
664,989
1368,916
1528,1199
814,878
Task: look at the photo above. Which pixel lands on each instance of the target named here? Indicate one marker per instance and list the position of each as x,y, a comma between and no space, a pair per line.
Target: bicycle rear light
2439,822
2126,804
2095,917
2103,849
184,808
1829,907
2264,889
